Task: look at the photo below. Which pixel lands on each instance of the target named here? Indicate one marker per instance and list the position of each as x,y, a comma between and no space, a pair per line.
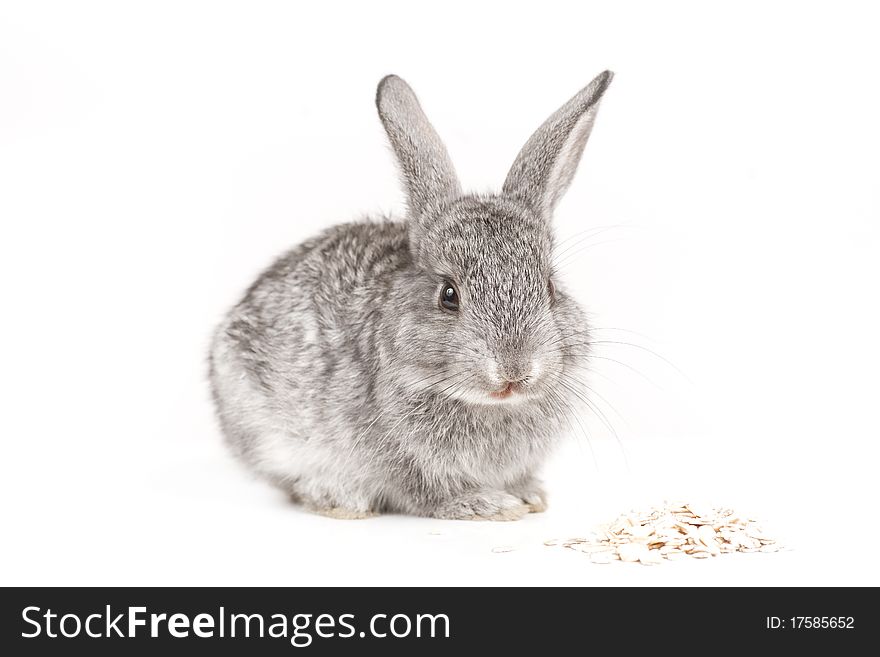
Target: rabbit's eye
449,297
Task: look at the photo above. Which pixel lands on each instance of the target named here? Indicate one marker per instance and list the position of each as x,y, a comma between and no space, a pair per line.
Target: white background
155,156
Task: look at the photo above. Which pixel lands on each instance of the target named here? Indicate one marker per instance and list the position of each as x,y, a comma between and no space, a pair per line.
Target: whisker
592,356
645,349
579,238
568,259
570,410
569,385
459,383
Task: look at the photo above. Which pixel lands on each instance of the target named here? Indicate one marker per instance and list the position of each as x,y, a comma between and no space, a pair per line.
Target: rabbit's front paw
483,505
340,513
531,493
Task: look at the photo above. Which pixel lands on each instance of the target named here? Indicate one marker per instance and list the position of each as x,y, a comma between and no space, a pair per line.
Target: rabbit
421,366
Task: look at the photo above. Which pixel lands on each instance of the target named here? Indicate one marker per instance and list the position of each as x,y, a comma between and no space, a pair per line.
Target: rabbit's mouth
511,388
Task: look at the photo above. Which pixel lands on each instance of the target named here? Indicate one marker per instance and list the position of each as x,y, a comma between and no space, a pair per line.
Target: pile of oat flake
674,531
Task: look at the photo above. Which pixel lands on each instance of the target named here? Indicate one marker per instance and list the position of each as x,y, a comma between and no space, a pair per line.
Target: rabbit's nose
515,372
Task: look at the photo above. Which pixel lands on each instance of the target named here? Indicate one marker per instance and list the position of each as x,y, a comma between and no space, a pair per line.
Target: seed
632,551
589,548
652,557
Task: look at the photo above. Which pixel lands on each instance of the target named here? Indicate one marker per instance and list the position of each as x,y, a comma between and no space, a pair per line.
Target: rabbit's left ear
545,166
427,171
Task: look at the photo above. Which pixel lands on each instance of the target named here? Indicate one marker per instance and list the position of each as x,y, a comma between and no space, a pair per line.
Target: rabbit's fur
341,378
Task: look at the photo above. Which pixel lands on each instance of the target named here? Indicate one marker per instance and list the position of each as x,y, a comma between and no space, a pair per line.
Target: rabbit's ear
545,166
428,173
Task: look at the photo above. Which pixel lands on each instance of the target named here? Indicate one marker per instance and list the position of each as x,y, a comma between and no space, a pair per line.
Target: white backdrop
155,156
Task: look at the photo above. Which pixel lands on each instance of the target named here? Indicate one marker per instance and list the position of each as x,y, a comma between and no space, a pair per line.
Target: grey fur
340,378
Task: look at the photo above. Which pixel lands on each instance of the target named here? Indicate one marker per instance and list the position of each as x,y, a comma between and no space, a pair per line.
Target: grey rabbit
422,366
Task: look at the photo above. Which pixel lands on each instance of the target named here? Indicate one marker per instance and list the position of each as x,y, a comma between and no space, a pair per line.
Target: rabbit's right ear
428,174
